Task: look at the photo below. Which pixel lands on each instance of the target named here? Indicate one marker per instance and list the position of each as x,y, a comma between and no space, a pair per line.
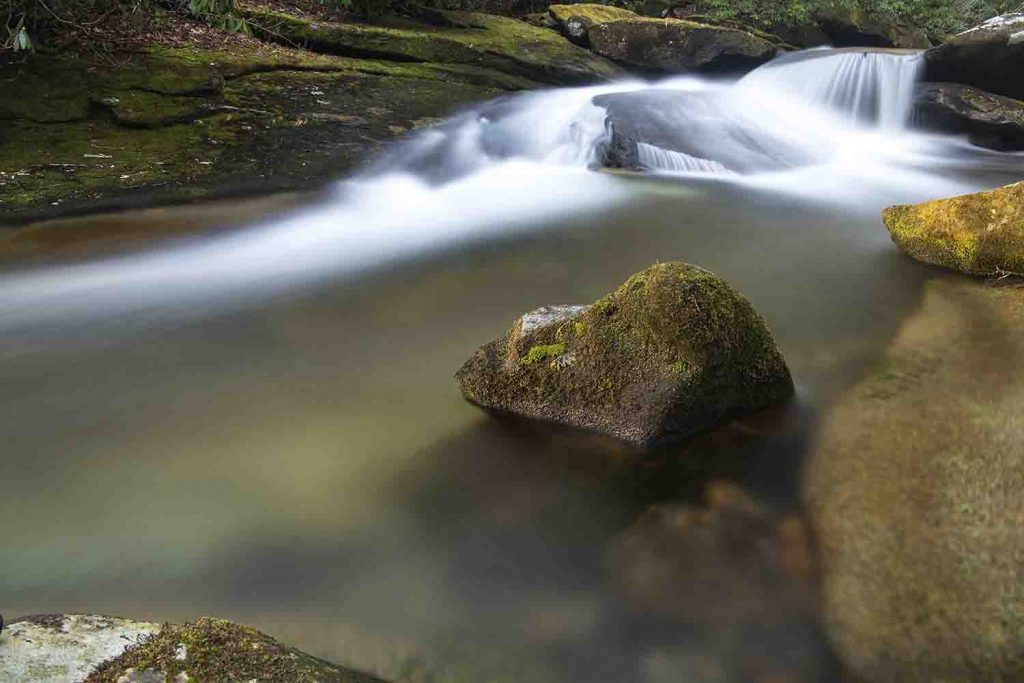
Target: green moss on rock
212,650
977,234
589,14
673,351
499,43
175,124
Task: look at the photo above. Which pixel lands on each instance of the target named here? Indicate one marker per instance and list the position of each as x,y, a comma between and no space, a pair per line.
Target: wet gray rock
58,648
676,46
988,120
989,57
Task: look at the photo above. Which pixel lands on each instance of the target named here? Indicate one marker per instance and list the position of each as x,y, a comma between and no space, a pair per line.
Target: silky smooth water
264,425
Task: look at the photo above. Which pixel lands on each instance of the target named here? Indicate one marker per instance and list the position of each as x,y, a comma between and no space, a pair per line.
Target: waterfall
796,126
656,158
870,86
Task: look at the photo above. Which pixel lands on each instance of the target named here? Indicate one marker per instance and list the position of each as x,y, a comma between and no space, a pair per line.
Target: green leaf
22,40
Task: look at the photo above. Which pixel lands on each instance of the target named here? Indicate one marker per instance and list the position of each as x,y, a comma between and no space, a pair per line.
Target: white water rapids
827,125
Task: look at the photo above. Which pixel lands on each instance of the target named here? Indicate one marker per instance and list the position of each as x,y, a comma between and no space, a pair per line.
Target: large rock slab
177,124
989,56
64,648
988,120
488,41
914,488
673,351
677,46
977,234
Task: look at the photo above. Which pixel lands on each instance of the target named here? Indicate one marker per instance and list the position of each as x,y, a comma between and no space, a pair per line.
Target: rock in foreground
214,650
677,46
988,120
58,648
673,351
63,648
977,234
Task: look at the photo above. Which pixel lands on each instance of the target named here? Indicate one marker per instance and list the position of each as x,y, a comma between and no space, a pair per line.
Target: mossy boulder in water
575,21
676,46
977,234
989,56
988,120
673,351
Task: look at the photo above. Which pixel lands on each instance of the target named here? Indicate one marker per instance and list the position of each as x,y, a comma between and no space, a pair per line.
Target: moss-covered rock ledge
172,123
671,352
60,648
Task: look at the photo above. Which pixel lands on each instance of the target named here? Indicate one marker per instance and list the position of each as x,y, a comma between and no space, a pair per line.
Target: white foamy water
824,124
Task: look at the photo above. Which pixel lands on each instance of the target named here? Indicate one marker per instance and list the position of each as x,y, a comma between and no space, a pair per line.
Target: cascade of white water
522,162
654,157
871,86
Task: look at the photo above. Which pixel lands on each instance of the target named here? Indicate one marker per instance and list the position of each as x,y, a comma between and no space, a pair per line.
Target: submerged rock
58,648
673,351
676,46
989,56
217,650
575,21
977,234
914,489
988,120
736,580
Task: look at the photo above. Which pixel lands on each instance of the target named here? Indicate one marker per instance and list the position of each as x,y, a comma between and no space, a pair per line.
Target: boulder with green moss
212,650
574,21
68,648
676,46
988,120
977,234
673,351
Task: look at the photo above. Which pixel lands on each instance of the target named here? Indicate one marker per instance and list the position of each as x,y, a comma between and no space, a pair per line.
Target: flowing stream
263,424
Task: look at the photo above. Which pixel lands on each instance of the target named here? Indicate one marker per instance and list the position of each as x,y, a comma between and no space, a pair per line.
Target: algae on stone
499,43
977,234
211,650
673,351
173,124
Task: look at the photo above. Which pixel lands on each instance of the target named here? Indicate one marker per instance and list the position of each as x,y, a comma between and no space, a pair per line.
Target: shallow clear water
280,441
